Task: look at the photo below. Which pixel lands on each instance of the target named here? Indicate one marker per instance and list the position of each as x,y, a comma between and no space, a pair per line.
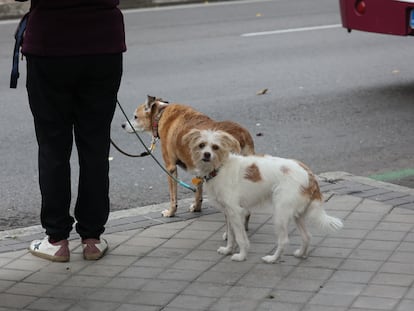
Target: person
73,51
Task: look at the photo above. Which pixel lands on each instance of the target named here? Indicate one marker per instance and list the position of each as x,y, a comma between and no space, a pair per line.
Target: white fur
278,181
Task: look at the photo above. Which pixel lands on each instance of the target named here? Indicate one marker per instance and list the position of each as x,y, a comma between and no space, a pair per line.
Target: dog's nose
207,155
123,125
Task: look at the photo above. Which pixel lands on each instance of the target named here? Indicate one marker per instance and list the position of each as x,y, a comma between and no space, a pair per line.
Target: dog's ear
149,103
191,136
229,142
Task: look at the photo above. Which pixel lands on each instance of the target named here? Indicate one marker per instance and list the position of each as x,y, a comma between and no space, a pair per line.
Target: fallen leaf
262,92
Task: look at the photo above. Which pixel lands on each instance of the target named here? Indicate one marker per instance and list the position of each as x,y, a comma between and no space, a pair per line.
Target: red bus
392,17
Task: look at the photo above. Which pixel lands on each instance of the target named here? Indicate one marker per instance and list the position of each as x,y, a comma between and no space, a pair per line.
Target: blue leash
18,36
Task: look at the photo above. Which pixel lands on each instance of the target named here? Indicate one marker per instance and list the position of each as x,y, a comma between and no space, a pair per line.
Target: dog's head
143,115
210,148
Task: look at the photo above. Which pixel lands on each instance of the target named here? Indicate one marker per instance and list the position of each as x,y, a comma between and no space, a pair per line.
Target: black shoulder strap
16,52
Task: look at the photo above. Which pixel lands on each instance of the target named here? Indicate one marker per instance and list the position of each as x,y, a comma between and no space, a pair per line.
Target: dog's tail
318,215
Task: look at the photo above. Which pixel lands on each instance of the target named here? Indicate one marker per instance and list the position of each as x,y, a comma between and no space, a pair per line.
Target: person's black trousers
73,96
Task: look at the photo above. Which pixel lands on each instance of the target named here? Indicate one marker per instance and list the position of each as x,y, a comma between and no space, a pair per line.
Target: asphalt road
336,101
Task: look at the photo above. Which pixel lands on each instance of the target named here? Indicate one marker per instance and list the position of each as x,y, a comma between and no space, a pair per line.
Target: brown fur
312,191
176,121
253,173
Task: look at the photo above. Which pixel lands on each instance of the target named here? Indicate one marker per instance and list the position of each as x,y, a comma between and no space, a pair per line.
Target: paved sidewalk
156,263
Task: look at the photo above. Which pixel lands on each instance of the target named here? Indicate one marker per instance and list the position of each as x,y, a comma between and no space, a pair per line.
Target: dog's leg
198,199
281,216
302,252
246,225
172,185
228,249
236,219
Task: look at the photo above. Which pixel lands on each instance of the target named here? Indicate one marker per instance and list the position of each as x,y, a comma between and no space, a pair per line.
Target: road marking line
290,30
393,175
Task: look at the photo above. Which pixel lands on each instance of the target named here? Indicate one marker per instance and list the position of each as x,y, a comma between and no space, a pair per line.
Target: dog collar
156,122
211,175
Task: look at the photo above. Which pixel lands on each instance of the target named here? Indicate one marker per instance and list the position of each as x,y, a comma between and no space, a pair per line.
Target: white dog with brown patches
238,183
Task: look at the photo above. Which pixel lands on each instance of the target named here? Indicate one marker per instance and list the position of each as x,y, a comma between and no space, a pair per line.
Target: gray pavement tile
111,294
191,302
405,305
221,277
394,226
400,256
406,247
198,265
310,273
396,267
376,303
384,291
361,265
399,218
335,252
200,254
310,307
15,301
386,235
132,250
139,241
151,261
342,288
369,254
102,270
279,306
14,275
182,243
165,286
352,276
4,285
179,274
29,289
171,253
86,281
141,272
70,292
131,307
297,284
127,283
246,292
235,304
93,306
206,289
290,296
379,245
322,262
331,299
150,298
383,278
117,260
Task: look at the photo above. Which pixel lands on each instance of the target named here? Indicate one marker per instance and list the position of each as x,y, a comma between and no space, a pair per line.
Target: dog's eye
215,147
202,145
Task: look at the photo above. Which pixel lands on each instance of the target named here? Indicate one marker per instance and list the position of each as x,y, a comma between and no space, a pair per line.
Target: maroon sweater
74,27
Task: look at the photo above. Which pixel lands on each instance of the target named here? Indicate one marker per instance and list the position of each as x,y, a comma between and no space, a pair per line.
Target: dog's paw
223,250
299,253
167,213
238,257
269,259
195,208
